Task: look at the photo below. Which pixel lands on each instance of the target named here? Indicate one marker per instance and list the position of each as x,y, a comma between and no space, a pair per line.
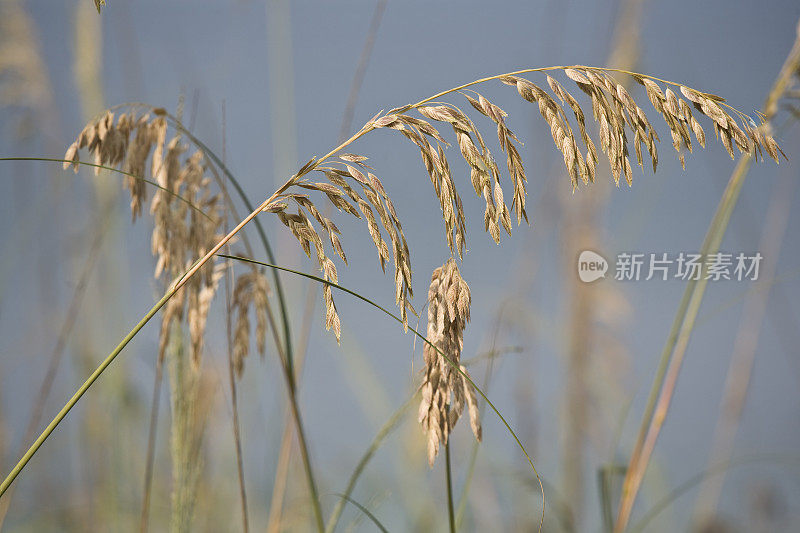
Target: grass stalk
189,403
361,68
662,391
298,422
451,519
237,440
492,354
155,402
279,483
179,282
281,478
58,351
181,396
388,426
744,350
449,361
366,512
79,393
675,351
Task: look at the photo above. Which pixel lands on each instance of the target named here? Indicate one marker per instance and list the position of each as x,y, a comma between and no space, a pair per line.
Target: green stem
362,464
424,339
462,500
303,445
174,287
304,454
675,349
81,391
151,447
449,474
134,176
291,386
287,333
672,357
365,511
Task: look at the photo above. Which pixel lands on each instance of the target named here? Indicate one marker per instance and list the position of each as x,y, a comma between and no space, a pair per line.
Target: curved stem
298,422
549,69
675,349
174,287
424,339
177,284
451,519
462,500
80,392
365,511
362,464
134,176
287,333
237,439
151,447
58,350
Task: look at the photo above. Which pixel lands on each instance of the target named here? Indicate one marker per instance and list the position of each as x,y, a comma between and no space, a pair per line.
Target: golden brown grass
187,213
352,187
445,392
182,237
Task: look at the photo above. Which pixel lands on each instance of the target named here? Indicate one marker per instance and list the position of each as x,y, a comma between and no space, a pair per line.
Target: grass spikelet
180,235
352,186
129,142
179,238
252,290
445,392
